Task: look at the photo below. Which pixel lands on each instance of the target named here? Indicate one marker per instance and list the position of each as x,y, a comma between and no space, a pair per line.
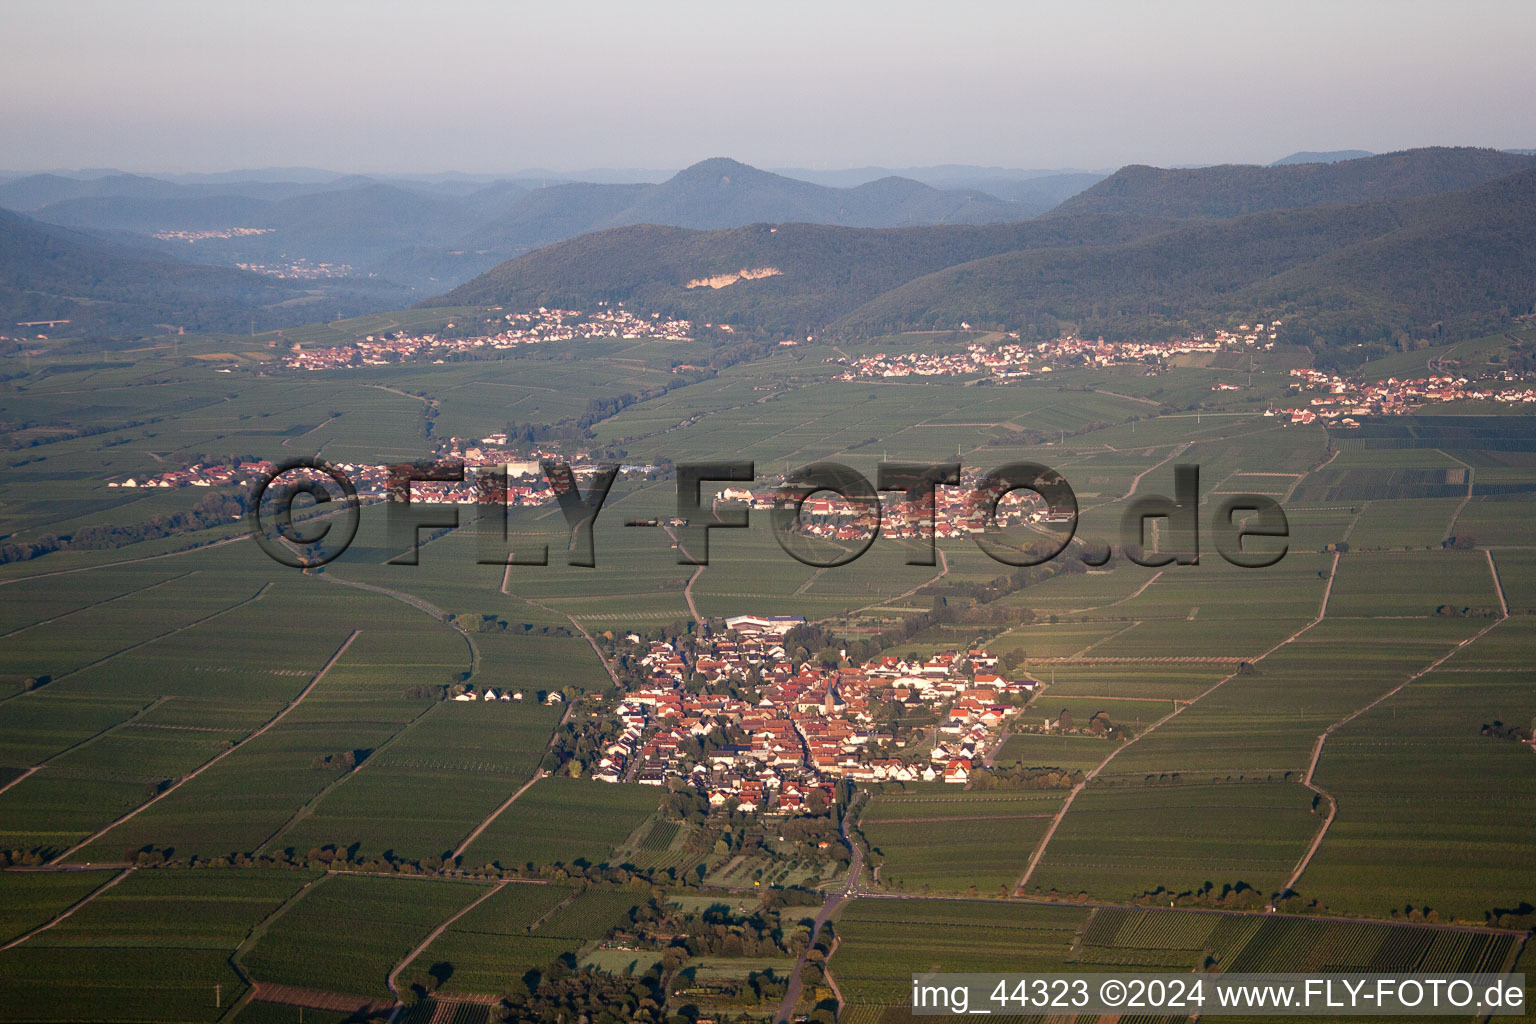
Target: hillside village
536,327
1013,360
1343,400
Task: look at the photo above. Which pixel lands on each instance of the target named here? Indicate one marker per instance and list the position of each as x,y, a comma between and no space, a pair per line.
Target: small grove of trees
1019,777
1499,731
561,991
471,623
1231,896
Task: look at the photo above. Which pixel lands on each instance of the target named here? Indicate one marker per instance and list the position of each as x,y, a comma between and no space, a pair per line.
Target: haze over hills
1230,190
53,273
1150,254
1331,156
428,235
1145,250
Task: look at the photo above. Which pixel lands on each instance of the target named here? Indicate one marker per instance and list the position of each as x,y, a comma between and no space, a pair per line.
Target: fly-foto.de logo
1050,524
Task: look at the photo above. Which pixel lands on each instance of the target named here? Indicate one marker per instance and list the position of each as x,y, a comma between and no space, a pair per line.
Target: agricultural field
884,942
1452,832
501,938
246,798
182,696
427,789
33,899
347,932
1118,938
1119,842
971,936
564,821
155,945
974,842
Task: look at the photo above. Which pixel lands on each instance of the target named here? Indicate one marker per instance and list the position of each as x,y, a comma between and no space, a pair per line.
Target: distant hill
1233,190
1459,261
937,175
547,215
1332,156
723,193
819,272
1032,196
1417,266
146,215
428,235
53,273
35,191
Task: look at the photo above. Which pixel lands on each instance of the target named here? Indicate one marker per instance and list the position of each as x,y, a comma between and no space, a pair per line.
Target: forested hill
1233,190
1417,266
54,273
803,275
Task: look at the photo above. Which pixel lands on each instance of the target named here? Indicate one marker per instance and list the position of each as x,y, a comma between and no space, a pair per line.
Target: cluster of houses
526,484
795,730
532,328
1335,399
1008,360
201,475
301,269
469,695
203,236
956,513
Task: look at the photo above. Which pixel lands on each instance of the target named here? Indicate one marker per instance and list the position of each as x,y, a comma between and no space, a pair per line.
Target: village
300,269
777,736
203,236
1343,400
1012,360
956,513
541,326
484,460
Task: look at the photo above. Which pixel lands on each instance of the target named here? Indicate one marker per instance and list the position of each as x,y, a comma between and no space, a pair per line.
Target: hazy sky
380,85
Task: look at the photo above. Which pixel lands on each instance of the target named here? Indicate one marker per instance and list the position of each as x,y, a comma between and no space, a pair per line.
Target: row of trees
213,510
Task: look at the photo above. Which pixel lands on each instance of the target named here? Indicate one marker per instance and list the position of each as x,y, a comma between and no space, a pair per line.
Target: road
497,812
943,571
688,587
394,975
420,605
76,906
506,581
828,908
1317,748
1039,851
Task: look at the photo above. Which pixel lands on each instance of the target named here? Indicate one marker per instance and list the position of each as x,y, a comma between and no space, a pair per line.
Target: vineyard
347,931
661,846
438,1011
1244,943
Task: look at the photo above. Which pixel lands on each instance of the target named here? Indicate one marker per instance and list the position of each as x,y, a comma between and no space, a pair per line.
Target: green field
349,931
564,821
156,946
150,685
957,843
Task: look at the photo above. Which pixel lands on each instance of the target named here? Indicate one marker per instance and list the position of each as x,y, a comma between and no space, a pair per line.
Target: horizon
615,174
171,84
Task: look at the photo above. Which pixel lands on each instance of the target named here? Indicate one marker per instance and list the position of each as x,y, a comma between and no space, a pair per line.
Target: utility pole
218,996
